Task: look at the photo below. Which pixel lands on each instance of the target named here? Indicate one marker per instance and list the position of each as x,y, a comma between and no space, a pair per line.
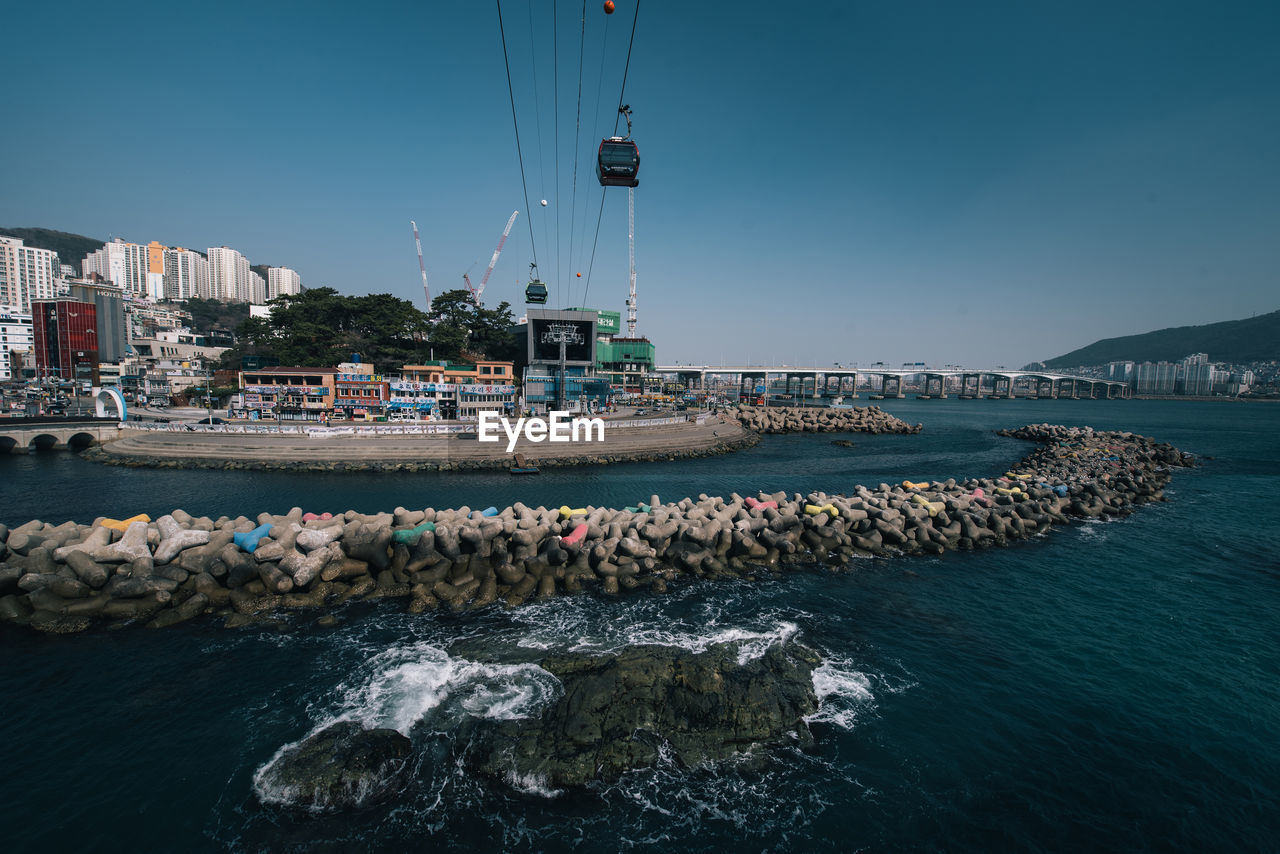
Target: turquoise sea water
1111,686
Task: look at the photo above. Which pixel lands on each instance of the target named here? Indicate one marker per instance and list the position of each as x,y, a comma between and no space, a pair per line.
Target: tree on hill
462,331
71,248
210,314
321,327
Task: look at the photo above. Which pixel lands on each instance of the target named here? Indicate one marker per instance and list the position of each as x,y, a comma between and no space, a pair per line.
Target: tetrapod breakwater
243,570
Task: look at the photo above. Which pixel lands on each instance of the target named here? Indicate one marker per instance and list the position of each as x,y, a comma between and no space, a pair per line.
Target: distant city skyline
822,183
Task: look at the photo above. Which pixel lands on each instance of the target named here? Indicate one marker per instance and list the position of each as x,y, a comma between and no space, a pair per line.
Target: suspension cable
621,95
626,68
555,83
537,117
519,154
577,140
604,47
592,265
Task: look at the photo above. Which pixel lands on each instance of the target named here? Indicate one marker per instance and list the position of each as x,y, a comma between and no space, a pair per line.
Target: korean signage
488,389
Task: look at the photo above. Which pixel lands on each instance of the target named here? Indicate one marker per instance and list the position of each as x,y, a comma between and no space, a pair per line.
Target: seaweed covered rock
343,766
625,710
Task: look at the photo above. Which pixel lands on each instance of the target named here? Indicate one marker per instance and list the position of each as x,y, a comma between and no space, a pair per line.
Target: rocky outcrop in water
344,766
63,578
627,710
788,419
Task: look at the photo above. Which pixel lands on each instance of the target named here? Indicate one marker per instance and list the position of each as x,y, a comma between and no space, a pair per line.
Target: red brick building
65,339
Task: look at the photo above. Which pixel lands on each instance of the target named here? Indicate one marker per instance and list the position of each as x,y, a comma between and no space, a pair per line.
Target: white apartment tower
281,281
257,289
230,278
125,265
26,273
186,274
16,338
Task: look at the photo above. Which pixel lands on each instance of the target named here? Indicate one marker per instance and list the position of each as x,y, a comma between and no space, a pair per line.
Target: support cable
577,141
604,46
537,117
621,95
555,78
514,123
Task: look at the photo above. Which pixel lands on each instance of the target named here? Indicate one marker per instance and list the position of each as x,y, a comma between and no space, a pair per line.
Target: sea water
1109,686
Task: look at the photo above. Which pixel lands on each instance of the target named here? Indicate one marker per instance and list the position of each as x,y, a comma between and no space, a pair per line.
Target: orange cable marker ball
608,7
579,275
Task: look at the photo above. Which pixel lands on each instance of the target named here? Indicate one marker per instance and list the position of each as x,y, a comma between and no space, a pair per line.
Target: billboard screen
546,333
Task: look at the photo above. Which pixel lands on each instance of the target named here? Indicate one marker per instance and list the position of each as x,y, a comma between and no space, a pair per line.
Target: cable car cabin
535,293
618,163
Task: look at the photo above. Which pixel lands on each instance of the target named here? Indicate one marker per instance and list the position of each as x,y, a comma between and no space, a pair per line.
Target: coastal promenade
322,449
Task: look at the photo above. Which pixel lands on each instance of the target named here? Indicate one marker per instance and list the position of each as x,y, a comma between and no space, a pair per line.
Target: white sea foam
565,625
843,693
408,683
532,784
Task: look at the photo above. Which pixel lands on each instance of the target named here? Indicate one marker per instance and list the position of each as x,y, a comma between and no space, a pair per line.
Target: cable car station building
561,369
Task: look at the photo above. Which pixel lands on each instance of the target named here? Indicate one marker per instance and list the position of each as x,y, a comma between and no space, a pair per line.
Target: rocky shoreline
65,578
860,419
612,713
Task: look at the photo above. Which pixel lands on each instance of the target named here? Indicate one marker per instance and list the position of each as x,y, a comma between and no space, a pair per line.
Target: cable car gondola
618,160
536,292
617,163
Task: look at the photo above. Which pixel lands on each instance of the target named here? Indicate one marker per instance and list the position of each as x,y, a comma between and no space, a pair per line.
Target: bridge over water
889,382
22,436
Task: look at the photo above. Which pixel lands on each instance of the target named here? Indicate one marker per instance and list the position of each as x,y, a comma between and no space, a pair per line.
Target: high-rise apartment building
282,281
1156,378
15,339
26,273
257,289
155,270
186,274
128,266
230,278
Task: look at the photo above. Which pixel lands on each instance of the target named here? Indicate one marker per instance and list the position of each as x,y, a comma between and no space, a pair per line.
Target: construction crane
421,266
476,292
631,253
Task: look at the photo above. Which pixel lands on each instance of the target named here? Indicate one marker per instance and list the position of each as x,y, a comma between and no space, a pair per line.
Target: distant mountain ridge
1254,339
71,248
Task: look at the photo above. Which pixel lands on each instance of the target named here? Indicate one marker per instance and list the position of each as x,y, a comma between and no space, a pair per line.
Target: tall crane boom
476,292
493,262
421,266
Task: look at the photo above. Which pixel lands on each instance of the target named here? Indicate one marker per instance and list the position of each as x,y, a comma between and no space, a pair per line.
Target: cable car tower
631,257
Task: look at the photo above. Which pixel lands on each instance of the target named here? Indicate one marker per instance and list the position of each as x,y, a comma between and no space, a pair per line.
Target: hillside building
16,339
27,274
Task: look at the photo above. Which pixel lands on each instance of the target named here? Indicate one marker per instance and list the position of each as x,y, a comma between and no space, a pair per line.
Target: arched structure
103,396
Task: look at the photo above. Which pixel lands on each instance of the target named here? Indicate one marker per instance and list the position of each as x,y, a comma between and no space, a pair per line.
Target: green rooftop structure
626,362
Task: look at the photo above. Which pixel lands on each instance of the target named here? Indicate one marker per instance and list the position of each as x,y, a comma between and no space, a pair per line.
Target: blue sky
977,183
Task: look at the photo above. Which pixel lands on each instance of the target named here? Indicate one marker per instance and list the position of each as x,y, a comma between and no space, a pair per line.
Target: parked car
214,420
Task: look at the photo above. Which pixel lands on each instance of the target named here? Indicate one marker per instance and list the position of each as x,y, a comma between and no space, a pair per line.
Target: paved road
340,448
